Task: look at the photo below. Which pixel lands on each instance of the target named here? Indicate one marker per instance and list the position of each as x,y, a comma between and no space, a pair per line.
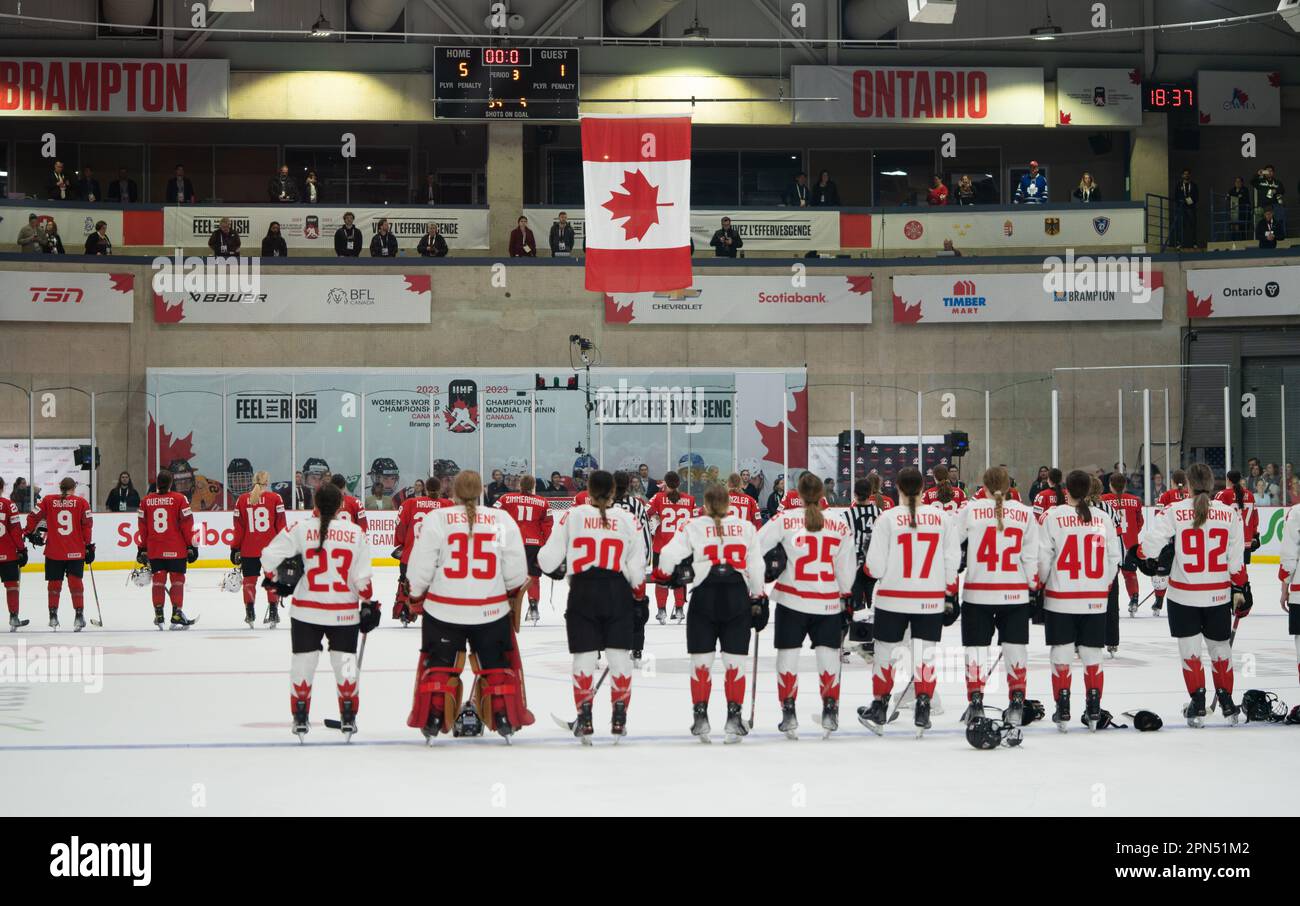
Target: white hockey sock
975,658
828,671
701,676
345,673
620,674
302,669
883,667
1091,657
584,677
1189,647
734,686
1016,657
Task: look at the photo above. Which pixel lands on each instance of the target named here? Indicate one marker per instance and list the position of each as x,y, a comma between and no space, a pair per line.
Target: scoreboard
1168,97
506,83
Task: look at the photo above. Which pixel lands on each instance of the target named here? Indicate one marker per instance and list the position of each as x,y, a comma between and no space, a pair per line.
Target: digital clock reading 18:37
537,83
1167,97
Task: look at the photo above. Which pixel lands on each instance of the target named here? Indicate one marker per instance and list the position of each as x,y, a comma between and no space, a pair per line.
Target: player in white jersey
811,595
1288,564
332,600
468,575
914,557
726,591
601,549
1078,557
1206,583
1001,537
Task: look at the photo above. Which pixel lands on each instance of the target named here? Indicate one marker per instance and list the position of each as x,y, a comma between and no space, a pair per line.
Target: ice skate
845,656
700,727
678,614
974,708
534,616
179,620
1112,650
158,618
1157,607
789,724
347,720
1231,710
16,623
1092,709
618,721
54,619
432,727
1061,716
875,717
1133,606
735,729
662,616
272,617
501,724
830,717
250,615
1016,709
300,725
921,715
1194,710
582,726
467,722
78,621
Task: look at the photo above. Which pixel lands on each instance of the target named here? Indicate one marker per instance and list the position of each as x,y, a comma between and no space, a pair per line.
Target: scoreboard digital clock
1168,97
506,83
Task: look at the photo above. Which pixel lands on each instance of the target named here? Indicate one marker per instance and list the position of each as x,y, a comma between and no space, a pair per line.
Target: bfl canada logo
75,859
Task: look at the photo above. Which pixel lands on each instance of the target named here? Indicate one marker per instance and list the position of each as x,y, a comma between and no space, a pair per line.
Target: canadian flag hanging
636,174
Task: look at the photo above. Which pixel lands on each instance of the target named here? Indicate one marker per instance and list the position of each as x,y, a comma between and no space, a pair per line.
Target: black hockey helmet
774,562
986,733
1107,721
287,576
383,467
316,466
1263,706
683,575
445,468
1145,721
239,475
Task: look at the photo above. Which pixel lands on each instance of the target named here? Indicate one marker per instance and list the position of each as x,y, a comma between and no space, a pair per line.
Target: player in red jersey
945,495
13,556
1178,491
1053,495
668,511
258,517
792,500
1012,493
166,544
68,547
1129,509
1242,500
533,515
740,504
412,513
352,509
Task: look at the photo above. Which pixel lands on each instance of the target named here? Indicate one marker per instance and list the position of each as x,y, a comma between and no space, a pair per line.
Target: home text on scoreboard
519,83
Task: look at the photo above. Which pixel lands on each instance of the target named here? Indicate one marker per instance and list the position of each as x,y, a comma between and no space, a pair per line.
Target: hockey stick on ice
753,692
95,589
568,725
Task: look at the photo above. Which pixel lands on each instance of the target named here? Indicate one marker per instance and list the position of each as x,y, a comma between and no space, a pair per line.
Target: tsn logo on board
53,295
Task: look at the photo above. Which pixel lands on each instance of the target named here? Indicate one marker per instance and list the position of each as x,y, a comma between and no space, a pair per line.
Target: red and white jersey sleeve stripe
467,573
700,541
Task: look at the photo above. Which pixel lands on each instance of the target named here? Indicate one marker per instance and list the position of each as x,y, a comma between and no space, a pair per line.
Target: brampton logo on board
964,299
75,859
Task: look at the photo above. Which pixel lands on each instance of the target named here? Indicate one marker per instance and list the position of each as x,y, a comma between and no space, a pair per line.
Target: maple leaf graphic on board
773,436
1065,118
1199,308
639,203
173,448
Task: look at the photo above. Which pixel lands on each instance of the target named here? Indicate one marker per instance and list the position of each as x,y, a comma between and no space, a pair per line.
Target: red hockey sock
11,596
925,679
1094,678
272,596
583,688
620,689
1194,674
1060,679
54,589
1017,679
300,692
177,590
534,591
701,684
77,591
735,686
829,685
679,597
882,682
661,596
348,693
159,589
1222,674
250,589
787,686
1160,596
1131,583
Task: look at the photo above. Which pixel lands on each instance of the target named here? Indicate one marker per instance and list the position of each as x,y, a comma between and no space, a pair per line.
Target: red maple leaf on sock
639,203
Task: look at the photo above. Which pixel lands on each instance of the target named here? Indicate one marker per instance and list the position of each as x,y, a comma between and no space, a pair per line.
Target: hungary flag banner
636,174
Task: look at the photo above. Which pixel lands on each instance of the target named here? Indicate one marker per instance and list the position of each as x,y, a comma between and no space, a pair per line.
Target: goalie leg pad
436,687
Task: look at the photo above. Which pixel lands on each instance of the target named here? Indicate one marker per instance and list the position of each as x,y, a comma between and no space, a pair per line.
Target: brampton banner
979,298
385,428
918,96
1243,292
64,296
334,298
313,227
131,89
775,299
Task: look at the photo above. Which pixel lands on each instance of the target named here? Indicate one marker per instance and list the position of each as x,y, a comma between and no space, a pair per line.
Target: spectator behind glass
431,244
31,238
59,187
773,505
726,240
282,188
965,190
938,195
124,498
180,190
123,190
824,193
1269,231
949,250
383,244
273,244
1086,192
53,241
1268,191
798,195
21,495
377,499
347,238
496,487
88,186
1240,216
311,189
97,243
1041,483
224,241
1187,197
522,243
1032,188
561,238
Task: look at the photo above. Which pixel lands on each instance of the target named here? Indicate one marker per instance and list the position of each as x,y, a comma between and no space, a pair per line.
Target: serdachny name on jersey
75,859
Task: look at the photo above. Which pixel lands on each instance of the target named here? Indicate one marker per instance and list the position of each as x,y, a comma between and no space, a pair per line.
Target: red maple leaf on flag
1275,80
1065,118
1199,308
617,314
172,448
639,204
859,285
1135,77
904,313
773,436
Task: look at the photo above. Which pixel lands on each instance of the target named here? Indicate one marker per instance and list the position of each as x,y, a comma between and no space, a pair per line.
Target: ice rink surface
197,723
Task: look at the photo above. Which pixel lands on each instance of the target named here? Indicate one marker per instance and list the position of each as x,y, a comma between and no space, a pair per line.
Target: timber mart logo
1085,279
964,299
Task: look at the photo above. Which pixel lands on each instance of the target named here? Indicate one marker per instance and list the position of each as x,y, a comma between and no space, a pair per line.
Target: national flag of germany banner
636,174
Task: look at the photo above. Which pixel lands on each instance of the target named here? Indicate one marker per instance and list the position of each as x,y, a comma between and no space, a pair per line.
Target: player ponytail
600,492
909,490
261,481
996,482
1078,484
810,492
733,481
943,484
433,487
327,501
1201,478
873,490
467,491
1055,477
1118,482
1179,478
622,481
717,505
1238,487
672,481
527,483
1094,490
164,481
